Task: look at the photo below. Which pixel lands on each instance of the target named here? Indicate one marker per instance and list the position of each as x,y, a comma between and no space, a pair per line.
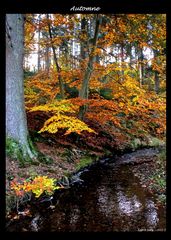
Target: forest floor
67,160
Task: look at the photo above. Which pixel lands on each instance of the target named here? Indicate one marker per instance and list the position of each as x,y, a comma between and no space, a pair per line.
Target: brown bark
156,76
141,67
61,85
83,42
38,51
85,84
122,61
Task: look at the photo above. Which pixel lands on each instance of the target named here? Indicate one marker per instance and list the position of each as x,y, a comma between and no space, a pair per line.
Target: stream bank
107,190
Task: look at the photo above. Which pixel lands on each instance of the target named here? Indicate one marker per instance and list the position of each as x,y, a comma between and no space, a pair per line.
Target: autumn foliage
38,186
131,112
125,89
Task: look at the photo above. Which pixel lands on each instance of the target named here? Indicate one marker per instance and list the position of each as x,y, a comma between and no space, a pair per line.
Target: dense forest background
109,71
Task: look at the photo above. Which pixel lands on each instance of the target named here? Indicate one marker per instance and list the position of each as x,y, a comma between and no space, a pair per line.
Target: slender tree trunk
47,59
122,62
61,84
130,56
83,42
141,66
38,51
156,82
83,93
117,54
156,76
16,122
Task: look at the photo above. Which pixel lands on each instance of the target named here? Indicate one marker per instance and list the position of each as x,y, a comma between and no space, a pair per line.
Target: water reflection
151,213
74,215
128,205
109,200
105,200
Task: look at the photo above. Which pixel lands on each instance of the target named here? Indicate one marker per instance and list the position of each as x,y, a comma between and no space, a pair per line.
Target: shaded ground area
65,162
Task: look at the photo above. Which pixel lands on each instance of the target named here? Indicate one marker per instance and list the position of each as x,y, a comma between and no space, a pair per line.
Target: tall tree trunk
64,49
83,93
141,66
156,82
156,76
117,54
61,84
16,123
84,42
122,62
130,56
38,42
47,59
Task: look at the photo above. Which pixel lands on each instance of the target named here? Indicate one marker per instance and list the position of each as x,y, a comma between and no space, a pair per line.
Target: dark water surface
110,198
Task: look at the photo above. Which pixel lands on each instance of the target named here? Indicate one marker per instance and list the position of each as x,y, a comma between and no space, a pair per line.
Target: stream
106,198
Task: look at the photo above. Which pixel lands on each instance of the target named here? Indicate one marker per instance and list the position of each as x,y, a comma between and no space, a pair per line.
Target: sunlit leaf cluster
59,120
38,186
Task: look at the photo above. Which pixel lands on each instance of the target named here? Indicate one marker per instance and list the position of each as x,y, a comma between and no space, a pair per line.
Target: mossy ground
84,161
